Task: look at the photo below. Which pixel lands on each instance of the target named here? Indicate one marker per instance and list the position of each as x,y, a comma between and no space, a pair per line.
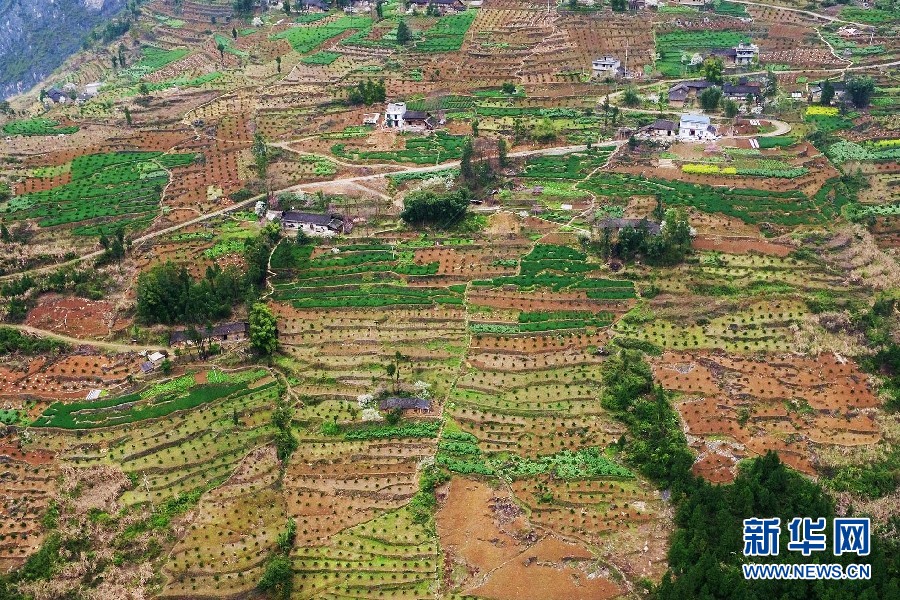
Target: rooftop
664,124
695,119
653,228
404,404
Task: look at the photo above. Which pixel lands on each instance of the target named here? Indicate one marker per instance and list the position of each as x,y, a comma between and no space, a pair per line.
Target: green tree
127,116
221,47
286,7
144,89
508,88
278,63
630,97
379,9
404,35
466,166
278,578
614,115
712,70
427,207
827,93
502,150
709,99
860,89
573,4
243,7
474,128
234,31
263,329
771,89
122,55
520,131
260,152
619,5
731,108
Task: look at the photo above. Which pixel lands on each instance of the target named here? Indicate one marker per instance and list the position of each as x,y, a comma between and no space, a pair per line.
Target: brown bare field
28,486
77,317
788,403
492,551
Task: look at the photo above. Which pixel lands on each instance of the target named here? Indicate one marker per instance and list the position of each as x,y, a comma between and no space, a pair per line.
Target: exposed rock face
36,36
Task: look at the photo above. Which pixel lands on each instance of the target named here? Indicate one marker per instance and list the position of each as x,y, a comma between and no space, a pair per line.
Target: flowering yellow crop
708,169
825,111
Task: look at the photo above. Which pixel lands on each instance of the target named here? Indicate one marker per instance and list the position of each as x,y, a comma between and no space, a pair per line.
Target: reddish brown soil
76,317
740,245
789,404
491,550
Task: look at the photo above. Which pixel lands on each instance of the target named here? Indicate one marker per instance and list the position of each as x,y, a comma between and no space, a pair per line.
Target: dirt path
118,347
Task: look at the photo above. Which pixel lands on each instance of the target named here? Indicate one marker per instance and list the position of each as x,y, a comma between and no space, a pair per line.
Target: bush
431,208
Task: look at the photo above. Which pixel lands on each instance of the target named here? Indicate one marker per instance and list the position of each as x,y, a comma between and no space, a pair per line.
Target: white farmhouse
607,65
393,116
696,128
745,53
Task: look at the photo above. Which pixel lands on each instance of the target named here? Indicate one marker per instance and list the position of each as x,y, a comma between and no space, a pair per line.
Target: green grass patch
448,34
157,401
37,126
306,38
103,186
321,58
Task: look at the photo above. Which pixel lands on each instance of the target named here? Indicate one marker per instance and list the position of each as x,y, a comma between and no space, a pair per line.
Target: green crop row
152,60
321,58
587,463
422,429
778,141
103,186
224,247
37,126
369,295
448,34
133,407
568,166
306,38
429,149
751,206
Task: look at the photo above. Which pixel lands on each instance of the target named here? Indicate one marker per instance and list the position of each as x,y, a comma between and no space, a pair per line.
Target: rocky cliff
36,36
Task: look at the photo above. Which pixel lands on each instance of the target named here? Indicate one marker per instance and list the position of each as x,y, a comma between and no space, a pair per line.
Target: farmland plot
792,404
103,187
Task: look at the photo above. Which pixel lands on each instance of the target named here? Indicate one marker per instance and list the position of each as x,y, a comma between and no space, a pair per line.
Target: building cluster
400,118
690,128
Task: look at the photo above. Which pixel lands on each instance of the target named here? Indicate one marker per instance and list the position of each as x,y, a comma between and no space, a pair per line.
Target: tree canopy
431,208
263,332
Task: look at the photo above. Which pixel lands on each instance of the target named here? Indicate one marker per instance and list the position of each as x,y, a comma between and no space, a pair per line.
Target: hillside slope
38,35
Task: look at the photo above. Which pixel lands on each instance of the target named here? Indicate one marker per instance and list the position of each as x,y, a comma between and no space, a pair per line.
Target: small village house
405,404
815,91
618,224
681,92
745,54
443,7
662,128
397,116
393,115
314,224
606,66
222,333
696,128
